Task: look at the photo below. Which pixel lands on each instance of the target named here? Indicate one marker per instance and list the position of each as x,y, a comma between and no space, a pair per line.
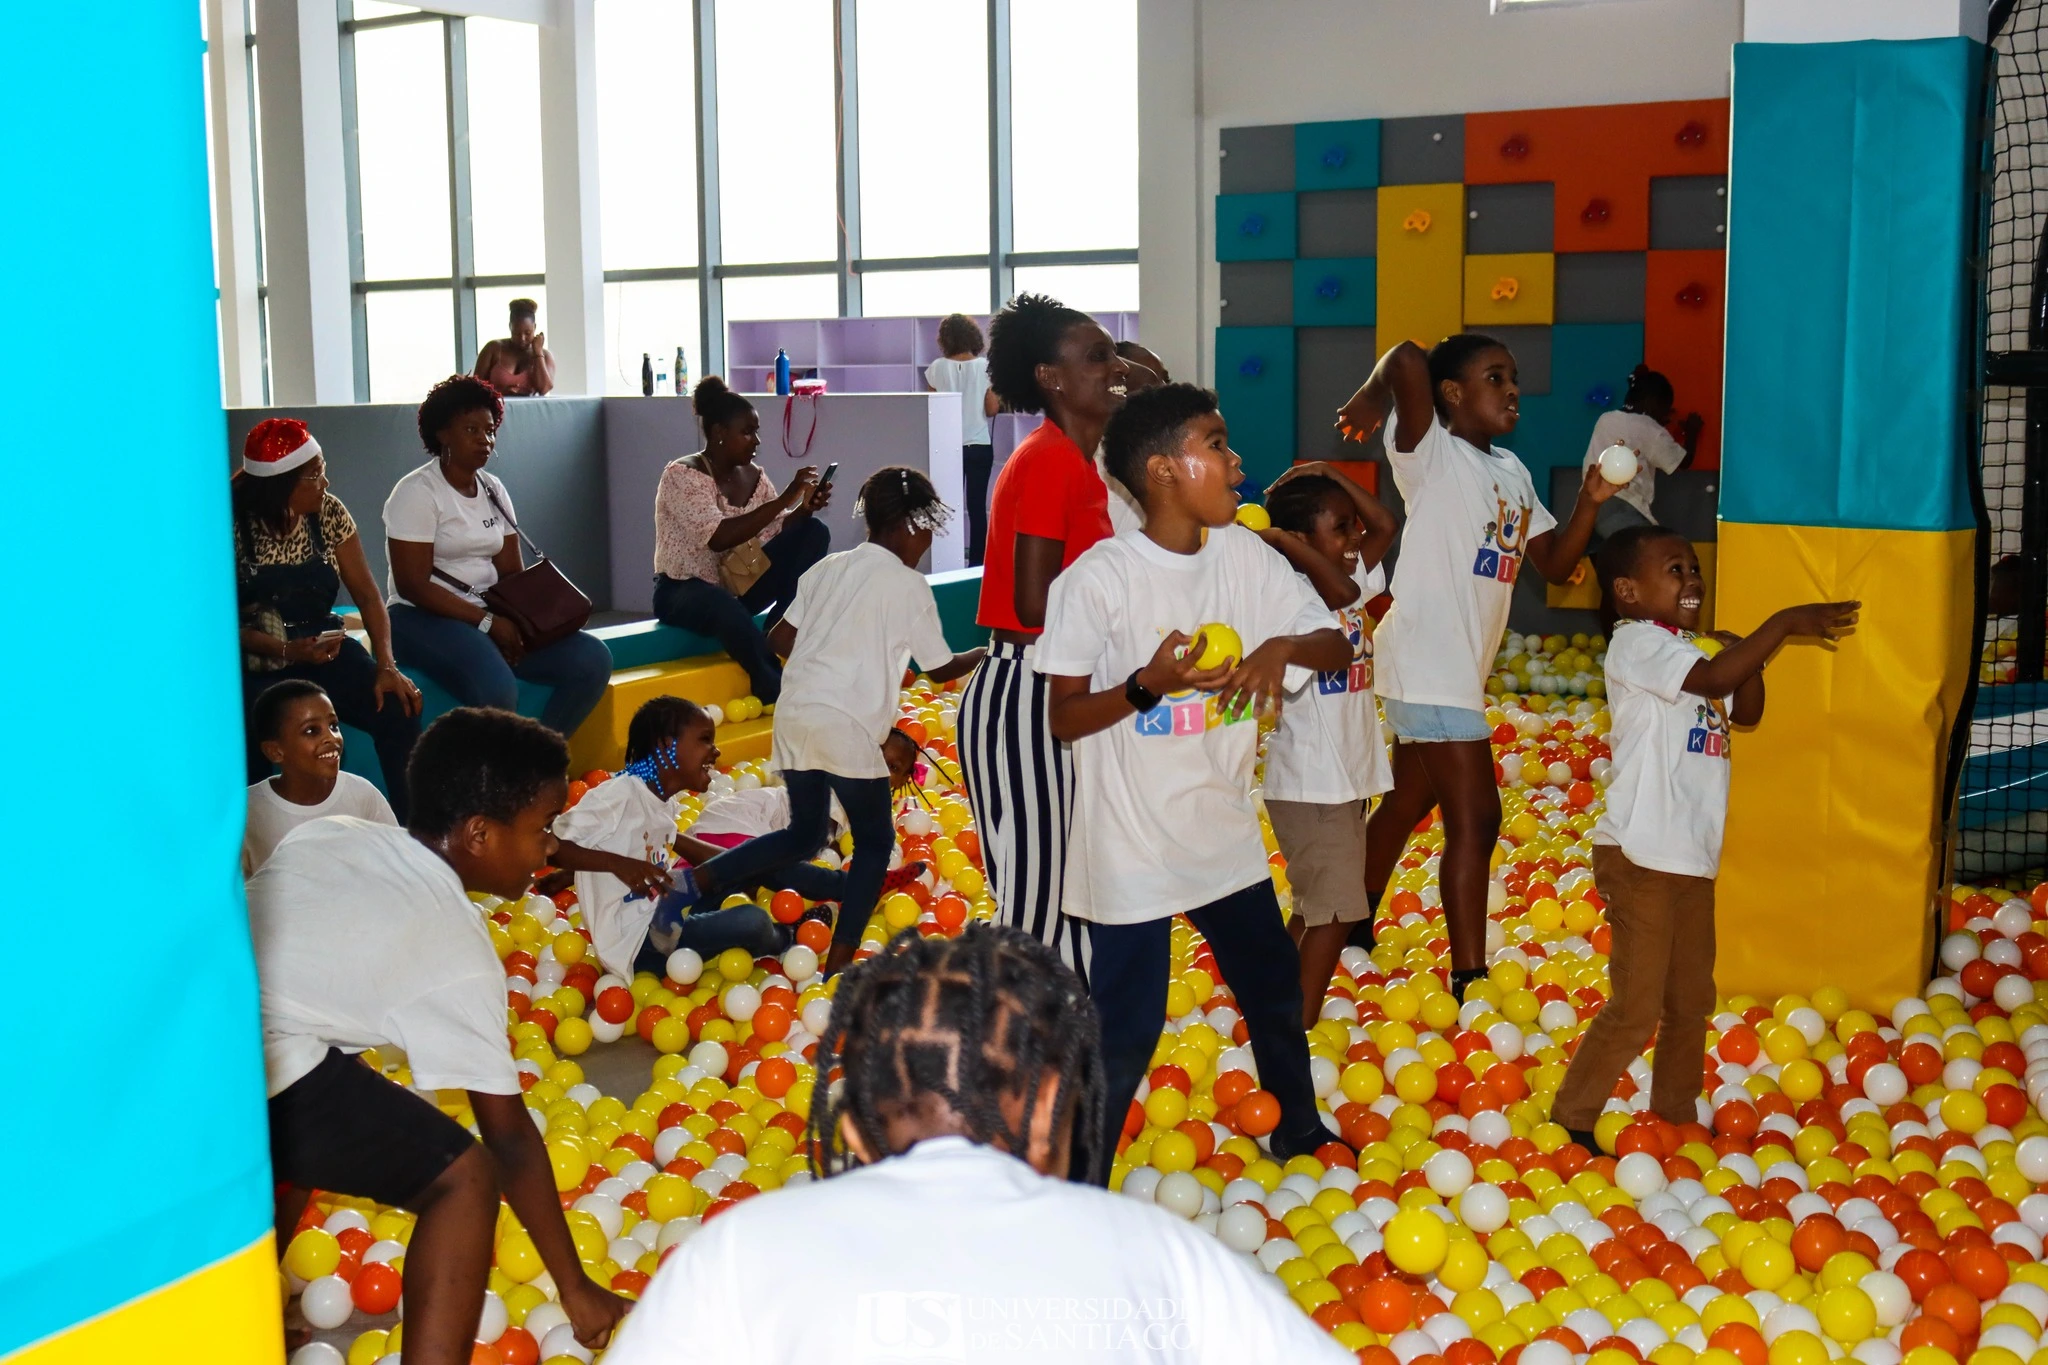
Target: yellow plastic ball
1417,1241
313,1252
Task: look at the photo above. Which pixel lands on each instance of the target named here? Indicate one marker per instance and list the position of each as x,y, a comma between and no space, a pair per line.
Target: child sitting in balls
621,842
946,1229
858,618
365,937
1326,760
1657,845
1164,738
300,733
1474,521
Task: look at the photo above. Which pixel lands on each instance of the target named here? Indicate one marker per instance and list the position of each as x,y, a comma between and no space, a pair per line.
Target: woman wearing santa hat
296,547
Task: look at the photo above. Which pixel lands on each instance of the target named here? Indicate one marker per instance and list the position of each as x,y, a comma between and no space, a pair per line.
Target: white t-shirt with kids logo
1667,794
465,532
1471,515
620,815
1163,815
1327,747
1657,450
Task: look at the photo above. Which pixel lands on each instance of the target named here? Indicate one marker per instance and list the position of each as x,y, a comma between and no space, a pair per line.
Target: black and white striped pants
1020,784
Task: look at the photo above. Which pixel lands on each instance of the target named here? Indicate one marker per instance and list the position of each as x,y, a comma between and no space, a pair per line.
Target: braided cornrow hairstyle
964,1021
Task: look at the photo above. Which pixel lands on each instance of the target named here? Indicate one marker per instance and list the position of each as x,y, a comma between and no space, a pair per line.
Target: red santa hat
277,445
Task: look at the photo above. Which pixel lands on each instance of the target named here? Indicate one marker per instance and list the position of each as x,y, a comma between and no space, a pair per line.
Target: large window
856,166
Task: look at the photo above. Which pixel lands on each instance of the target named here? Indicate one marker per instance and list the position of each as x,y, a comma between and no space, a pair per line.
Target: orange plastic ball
1258,1113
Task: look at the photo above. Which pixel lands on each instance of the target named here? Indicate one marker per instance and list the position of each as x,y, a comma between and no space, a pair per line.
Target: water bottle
682,373
646,375
781,371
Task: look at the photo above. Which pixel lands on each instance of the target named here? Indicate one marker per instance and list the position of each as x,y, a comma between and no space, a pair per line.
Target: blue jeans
742,926
1425,723
464,661
708,609
778,854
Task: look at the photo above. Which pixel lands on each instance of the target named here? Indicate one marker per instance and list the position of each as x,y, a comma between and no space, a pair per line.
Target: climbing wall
1586,239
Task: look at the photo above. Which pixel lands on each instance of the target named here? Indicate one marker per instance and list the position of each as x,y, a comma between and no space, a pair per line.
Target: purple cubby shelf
855,355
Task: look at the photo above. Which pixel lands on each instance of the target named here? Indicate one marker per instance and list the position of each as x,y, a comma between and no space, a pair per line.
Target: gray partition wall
550,455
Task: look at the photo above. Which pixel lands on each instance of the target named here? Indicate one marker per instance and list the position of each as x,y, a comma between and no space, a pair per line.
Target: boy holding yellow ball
1657,846
365,937
1164,743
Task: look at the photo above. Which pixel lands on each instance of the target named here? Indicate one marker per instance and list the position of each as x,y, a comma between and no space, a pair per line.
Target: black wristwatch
1137,694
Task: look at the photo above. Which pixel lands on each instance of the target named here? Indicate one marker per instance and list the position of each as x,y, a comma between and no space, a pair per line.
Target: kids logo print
1709,734
1187,713
1500,554
1358,677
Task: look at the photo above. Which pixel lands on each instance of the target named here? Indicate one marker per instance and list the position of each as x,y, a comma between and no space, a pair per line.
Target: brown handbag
540,601
741,567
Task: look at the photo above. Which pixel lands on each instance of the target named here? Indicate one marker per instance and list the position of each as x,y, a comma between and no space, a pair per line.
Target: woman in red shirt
1050,504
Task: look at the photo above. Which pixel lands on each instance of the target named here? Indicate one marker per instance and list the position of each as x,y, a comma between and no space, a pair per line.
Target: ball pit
1856,1185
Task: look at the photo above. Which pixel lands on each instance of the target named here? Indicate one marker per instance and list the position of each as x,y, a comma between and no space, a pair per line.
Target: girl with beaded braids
1049,505
970,1082
857,618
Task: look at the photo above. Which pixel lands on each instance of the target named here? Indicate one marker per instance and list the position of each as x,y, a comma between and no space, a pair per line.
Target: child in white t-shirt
962,368
1325,761
365,937
301,734
1473,520
948,1230
1643,424
858,618
1164,742
1657,846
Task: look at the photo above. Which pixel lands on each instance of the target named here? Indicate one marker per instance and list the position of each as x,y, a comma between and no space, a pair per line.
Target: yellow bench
712,679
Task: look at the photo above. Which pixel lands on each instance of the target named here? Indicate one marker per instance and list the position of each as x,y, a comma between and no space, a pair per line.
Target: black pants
350,679
708,609
976,462
1128,967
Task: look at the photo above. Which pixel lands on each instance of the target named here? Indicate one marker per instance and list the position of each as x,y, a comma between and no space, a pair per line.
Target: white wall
1237,63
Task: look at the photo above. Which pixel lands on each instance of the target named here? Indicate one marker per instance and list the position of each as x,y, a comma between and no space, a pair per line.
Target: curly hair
450,399
1295,504
964,1023
1149,423
1448,359
477,760
958,332
1025,335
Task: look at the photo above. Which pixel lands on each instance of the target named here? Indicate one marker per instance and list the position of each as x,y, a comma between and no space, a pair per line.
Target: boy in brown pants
1657,847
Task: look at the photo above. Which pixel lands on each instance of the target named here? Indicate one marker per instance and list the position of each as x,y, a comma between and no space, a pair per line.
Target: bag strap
446,577
538,553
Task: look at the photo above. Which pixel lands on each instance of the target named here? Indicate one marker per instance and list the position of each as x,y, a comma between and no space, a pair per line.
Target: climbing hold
1505,288
1417,221
1596,211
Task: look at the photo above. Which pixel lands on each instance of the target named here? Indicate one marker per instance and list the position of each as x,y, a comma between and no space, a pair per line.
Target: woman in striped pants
1049,506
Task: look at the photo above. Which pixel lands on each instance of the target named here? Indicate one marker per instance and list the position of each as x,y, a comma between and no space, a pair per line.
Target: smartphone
825,479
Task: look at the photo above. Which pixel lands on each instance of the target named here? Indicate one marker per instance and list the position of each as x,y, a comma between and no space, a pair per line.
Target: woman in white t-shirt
450,535
859,617
961,368
1643,424
971,1069
1473,519
1326,760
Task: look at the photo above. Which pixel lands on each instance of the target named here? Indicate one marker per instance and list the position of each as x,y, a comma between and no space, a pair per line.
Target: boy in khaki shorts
1657,846
1326,759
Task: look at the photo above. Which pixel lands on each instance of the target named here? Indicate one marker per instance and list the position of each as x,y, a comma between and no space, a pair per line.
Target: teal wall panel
1337,156
1255,227
1589,367
1336,292
1255,383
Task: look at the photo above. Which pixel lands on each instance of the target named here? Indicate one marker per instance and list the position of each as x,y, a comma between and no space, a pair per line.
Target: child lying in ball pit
635,878
1163,747
972,1086
1657,846
365,938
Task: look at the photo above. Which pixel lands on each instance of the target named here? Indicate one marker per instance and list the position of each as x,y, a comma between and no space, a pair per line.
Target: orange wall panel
1684,315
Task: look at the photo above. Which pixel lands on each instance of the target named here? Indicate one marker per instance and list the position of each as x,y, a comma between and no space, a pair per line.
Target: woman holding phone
296,547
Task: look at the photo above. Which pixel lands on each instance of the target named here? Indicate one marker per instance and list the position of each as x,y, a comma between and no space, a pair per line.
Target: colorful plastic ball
311,1253
684,966
318,1353
326,1304
1416,1241
377,1289
1179,1194
1241,1228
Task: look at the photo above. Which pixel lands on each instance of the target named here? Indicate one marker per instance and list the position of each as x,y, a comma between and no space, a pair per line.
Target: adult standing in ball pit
718,521
296,547
1049,505
450,535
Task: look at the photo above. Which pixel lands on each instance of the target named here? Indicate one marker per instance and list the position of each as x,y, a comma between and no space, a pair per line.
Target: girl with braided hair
972,1082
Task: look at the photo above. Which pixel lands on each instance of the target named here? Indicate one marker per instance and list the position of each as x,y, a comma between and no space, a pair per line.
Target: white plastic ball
1241,1228
1618,464
1639,1175
561,1341
710,1058
2012,991
1546,1353
817,1015
1449,1172
2031,1157
1958,950
544,1318
684,966
1323,1075
341,1220
326,1303
492,1322
1483,1208
1890,1295
1141,1183
1886,1085
320,1353
800,964
1180,1194
740,1002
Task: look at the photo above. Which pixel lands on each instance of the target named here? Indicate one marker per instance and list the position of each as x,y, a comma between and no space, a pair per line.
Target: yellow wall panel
230,1313
1518,290
1421,255
1832,867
